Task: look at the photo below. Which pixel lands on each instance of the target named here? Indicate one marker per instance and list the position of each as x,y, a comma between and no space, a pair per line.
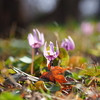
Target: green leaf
67,73
63,53
11,71
10,60
9,96
40,85
96,51
19,43
55,88
64,57
86,72
90,72
52,87
98,67
38,62
75,75
26,59
38,59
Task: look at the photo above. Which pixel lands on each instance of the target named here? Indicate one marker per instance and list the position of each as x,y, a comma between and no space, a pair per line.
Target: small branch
32,78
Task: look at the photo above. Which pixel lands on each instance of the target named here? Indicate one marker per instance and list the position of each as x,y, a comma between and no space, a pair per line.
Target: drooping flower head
51,54
36,40
68,44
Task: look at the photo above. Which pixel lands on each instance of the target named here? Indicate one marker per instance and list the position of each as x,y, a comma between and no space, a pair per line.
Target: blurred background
77,18
17,15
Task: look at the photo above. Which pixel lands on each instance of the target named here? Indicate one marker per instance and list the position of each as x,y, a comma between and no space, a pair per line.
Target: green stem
95,68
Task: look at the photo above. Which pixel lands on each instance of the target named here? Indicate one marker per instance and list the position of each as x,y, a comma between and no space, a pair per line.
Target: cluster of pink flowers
36,40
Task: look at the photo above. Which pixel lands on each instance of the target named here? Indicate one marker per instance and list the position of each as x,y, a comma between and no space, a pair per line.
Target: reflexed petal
51,48
30,39
63,43
57,49
35,35
72,44
45,49
67,40
42,38
39,35
71,40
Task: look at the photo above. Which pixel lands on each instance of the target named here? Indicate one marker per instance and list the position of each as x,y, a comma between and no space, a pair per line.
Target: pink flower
87,28
98,27
51,54
68,44
36,40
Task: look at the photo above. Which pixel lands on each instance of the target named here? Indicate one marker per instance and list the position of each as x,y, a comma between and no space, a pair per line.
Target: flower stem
32,65
36,51
49,64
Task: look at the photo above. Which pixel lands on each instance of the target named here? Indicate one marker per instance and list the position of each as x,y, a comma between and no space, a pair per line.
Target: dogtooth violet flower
51,54
36,40
87,28
98,27
68,44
